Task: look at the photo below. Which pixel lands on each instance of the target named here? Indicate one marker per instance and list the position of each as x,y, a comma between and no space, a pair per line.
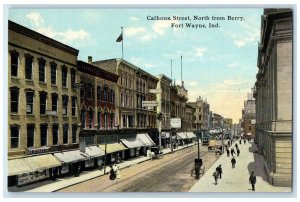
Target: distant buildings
274,95
249,116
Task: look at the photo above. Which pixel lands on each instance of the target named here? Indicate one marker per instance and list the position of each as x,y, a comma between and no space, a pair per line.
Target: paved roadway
172,173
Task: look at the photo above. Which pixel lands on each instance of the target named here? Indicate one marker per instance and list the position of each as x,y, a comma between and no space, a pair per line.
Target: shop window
65,133
28,67
14,136
43,130
30,135
55,134
42,70
14,63
64,74
43,100
29,102
53,73
14,100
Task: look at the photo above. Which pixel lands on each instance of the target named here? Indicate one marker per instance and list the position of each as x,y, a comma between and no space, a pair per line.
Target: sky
218,64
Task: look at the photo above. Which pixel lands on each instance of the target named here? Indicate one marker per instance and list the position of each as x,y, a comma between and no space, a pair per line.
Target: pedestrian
219,169
252,180
228,143
231,141
227,150
238,151
112,175
244,141
241,141
233,162
236,145
216,175
100,164
232,151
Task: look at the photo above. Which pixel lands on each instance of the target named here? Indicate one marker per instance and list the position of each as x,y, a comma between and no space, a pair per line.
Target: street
172,173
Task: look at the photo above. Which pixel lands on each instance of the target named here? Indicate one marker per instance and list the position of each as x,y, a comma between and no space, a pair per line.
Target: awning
70,156
190,135
94,151
132,143
111,148
31,164
181,135
17,166
165,135
145,139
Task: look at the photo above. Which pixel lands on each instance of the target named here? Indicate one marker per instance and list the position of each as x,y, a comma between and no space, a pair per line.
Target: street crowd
218,172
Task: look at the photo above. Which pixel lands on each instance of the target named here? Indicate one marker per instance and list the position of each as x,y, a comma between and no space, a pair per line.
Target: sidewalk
236,179
51,186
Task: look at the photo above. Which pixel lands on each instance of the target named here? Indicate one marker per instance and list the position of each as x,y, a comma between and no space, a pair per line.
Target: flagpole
122,43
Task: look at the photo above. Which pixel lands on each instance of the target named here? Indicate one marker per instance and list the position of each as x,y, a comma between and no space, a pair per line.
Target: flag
120,38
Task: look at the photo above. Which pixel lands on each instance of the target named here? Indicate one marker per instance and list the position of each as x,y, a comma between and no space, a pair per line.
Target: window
14,136
74,106
43,99
249,127
64,74
89,93
112,117
30,135
73,77
105,120
65,100
28,67
112,96
29,102
42,70
98,93
99,119
14,63
65,133
74,129
83,119
53,73
55,134
14,100
90,119
105,94
43,129
54,101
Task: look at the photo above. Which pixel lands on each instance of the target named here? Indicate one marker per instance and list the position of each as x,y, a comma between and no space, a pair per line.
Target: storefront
147,141
114,151
95,156
70,160
31,169
191,136
165,139
182,138
134,146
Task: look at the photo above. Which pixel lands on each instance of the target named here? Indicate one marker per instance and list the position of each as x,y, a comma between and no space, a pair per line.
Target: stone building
42,104
217,121
248,116
274,95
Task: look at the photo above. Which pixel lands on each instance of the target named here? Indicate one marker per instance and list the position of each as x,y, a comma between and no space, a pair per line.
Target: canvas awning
145,139
30,164
112,147
181,135
190,135
70,156
132,143
94,151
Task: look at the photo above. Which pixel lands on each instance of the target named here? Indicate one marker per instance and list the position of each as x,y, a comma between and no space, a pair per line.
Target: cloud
68,36
233,65
149,65
192,83
134,18
131,31
243,41
200,52
35,18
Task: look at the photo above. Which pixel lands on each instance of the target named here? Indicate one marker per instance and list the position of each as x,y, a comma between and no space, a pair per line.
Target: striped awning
30,164
132,143
145,139
71,156
190,135
112,147
181,135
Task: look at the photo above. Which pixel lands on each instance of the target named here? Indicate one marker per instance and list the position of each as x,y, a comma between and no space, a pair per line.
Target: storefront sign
175,123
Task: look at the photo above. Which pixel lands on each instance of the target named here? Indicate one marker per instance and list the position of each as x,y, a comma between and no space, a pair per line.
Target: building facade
274,95
248,116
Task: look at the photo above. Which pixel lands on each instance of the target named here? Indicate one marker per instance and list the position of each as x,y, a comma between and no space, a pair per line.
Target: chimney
90,59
